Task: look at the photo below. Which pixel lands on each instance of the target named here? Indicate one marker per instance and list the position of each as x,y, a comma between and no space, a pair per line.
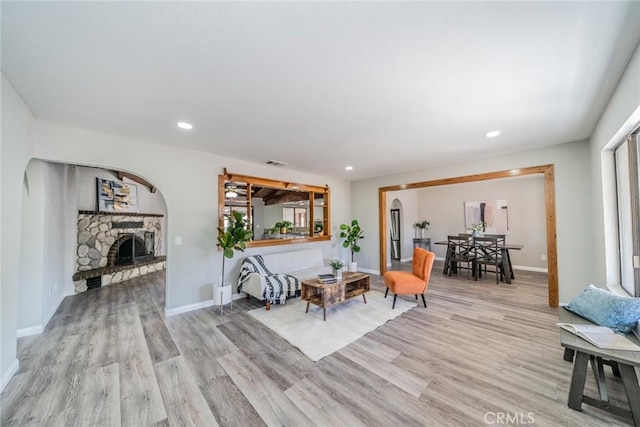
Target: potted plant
351,233
337,265
420,227
283,226
234,238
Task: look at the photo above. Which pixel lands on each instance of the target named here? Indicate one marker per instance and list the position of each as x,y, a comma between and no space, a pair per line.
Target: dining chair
487,252
461,252
414,282
502,238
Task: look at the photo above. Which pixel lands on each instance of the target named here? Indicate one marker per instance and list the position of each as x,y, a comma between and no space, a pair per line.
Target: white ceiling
385,87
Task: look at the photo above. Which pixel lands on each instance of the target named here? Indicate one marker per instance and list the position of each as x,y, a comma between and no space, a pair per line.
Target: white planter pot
338,273
221,294
353,267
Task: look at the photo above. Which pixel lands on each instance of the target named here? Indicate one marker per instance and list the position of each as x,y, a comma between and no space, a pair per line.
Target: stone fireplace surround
96,236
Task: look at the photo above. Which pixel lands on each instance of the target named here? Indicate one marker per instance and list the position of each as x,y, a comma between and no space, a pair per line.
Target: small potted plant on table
421,227
337,265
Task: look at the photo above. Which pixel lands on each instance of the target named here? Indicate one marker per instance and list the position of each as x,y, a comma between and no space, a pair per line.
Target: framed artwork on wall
494,213
116,196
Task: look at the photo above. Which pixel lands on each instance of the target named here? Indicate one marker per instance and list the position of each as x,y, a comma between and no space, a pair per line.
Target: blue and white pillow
607,309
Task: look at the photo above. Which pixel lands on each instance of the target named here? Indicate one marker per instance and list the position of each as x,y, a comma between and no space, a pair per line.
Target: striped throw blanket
277,287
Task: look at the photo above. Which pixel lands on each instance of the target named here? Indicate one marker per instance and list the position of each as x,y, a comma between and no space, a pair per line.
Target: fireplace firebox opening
131,249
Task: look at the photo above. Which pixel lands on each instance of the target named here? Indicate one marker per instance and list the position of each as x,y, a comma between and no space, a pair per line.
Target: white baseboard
6,377
368,270
406,259
173,311
34,330
525,268
185,308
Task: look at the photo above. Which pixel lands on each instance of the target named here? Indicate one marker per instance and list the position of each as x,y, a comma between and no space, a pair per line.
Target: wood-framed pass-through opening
549,203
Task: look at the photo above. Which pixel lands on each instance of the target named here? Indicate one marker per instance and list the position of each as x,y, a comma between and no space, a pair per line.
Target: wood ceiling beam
121,175
286,197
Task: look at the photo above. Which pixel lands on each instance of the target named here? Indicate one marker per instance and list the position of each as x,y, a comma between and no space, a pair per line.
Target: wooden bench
622,363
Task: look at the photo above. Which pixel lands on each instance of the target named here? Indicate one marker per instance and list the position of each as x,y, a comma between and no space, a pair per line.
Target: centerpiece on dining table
477,228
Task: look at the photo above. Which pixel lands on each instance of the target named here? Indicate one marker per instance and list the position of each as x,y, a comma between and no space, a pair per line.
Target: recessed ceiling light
185,125
493,133
348,168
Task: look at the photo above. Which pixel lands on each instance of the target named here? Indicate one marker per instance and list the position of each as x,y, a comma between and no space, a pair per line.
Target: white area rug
346,322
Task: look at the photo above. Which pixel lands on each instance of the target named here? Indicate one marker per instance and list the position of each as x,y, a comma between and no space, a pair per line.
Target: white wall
15,148
443,207
46,236
619,118
31,248
57,227
573,205
148,202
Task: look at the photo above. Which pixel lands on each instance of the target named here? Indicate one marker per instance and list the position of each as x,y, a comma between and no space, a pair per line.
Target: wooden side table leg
364,298
307,307
578,377
598,373
615,369
632,389
568,355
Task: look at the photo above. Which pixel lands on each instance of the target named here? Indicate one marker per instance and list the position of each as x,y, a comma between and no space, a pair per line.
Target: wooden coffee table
351,285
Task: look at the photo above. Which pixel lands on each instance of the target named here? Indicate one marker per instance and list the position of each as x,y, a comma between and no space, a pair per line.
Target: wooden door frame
549,204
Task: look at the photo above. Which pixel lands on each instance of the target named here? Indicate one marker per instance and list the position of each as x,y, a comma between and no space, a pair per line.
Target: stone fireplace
113,247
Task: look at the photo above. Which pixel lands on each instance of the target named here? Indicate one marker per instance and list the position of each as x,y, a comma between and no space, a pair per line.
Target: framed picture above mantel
116,196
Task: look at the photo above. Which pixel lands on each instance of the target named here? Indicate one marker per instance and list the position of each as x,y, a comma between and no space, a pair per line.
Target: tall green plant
234,238
351,233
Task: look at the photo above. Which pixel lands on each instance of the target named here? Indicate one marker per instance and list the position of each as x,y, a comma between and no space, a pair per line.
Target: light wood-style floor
109,357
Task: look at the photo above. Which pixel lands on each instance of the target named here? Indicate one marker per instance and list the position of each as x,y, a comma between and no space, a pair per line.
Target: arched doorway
395,230
58,240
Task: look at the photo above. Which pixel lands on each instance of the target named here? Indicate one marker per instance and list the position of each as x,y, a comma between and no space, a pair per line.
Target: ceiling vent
276,163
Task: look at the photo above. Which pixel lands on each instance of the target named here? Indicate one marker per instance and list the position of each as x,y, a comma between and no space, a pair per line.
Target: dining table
504,250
